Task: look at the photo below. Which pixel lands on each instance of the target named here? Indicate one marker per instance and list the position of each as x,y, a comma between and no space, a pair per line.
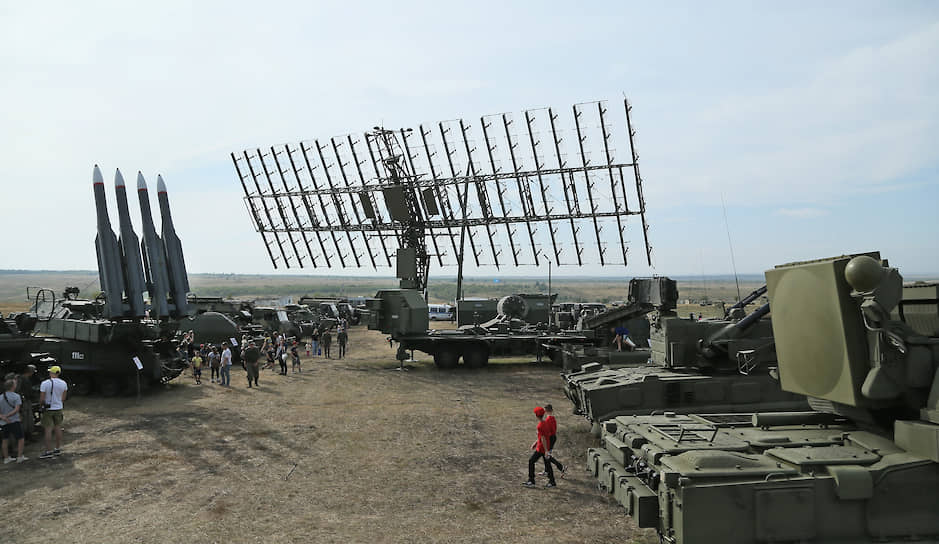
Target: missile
133,271
108,253
154,256
175,264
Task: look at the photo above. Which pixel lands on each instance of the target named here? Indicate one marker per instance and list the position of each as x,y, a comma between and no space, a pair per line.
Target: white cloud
174,87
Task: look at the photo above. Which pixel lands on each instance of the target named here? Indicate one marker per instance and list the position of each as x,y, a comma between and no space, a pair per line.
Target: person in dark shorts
542,447
196,363
252,363
10,426
214,364
621,338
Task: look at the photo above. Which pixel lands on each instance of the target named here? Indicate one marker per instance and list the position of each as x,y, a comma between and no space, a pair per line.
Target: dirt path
348,451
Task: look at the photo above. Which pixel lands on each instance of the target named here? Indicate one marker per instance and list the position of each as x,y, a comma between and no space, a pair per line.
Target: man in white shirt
226,365
52,394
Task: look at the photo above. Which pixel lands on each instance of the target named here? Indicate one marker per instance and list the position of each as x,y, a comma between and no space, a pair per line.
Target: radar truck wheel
476,356
446,358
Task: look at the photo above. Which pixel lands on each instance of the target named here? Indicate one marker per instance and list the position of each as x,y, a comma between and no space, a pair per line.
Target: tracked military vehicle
861,466
714,365
105,344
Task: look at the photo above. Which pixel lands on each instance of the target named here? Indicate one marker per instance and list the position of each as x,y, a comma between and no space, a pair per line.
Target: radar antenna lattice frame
519,190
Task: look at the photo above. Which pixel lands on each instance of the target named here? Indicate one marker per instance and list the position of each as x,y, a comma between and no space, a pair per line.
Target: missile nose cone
161,187
141,183
118,178
97,177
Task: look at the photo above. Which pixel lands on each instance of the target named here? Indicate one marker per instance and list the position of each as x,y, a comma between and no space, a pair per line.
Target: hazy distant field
13,285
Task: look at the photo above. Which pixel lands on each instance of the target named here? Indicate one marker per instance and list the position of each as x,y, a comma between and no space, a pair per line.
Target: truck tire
476,356
446,358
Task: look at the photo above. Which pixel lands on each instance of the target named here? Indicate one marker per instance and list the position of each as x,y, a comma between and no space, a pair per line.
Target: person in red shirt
552,438
542,447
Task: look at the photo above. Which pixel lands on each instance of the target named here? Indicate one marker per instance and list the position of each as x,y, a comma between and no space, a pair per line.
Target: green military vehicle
692,365
402,314
861,466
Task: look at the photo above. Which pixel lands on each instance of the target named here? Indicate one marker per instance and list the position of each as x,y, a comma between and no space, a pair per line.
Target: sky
815,125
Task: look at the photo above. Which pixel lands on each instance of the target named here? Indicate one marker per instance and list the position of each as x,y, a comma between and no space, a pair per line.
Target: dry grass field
348,451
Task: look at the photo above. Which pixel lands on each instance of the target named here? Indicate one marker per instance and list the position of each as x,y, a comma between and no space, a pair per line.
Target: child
295,355
197,367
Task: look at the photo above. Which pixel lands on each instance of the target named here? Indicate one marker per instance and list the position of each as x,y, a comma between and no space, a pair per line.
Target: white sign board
138,363
233,341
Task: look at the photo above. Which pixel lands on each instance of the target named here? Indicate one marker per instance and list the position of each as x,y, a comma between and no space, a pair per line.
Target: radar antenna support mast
504,185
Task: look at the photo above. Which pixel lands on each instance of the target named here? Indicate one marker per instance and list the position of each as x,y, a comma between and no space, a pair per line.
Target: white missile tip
161,187
96,176
141,183
118,178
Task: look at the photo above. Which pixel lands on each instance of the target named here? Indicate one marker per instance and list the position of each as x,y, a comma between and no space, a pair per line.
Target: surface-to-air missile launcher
713,365
862,466
100,343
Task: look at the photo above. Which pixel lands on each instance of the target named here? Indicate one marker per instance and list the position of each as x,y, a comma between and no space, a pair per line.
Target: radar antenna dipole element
360,199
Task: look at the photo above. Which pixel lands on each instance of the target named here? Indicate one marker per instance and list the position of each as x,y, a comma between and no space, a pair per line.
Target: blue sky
816,122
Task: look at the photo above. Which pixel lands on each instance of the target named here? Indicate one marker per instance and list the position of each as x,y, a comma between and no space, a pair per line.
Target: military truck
532,308
861,466
402,314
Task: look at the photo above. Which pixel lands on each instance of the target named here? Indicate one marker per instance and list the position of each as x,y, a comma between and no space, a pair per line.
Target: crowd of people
275,349
16,410
17,413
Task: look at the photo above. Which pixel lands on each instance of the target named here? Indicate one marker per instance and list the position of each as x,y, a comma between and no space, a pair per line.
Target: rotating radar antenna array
543,186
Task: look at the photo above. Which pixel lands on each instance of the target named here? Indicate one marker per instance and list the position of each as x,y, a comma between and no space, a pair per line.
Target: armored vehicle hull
862,467
741,479
599,394
716,365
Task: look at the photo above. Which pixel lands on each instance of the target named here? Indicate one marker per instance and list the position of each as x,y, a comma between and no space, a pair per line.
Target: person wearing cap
542,449
552,424
52,394
24,387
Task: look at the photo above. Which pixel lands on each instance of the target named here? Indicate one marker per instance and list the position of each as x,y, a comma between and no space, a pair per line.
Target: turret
844,335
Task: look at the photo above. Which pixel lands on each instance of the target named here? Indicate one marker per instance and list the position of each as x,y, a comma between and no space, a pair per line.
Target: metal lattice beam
354,200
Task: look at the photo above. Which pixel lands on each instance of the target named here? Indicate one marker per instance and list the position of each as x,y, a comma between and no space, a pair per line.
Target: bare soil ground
347,451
